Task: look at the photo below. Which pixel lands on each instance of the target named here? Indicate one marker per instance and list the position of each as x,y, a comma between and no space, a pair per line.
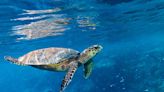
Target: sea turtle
59,59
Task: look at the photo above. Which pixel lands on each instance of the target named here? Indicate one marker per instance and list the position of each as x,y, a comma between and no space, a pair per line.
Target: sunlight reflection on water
45,23
54,25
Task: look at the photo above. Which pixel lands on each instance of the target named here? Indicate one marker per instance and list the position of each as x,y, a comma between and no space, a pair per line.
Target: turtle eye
95,47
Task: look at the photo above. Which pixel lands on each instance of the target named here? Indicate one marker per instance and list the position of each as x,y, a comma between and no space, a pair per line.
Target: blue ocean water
130,31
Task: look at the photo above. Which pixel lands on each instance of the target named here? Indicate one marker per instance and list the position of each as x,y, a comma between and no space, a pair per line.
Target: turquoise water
131,32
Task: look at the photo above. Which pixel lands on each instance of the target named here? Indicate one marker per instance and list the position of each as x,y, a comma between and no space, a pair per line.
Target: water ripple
41,11
40,26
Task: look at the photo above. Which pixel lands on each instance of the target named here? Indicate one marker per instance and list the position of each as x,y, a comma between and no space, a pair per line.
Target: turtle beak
100,47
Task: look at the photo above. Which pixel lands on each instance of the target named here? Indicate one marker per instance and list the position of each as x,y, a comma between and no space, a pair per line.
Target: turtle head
90,52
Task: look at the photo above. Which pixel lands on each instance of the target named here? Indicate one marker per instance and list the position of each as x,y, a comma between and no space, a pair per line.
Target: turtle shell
48,56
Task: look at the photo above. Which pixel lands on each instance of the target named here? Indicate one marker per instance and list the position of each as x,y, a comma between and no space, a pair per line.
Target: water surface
131,32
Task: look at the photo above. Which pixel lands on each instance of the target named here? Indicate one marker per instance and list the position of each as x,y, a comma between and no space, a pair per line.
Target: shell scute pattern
48,56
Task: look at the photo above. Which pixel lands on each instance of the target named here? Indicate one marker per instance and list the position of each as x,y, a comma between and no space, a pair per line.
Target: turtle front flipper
68,77
88,66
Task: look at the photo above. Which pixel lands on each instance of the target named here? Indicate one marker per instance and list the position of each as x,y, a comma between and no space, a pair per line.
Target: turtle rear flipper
13,60
9,58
